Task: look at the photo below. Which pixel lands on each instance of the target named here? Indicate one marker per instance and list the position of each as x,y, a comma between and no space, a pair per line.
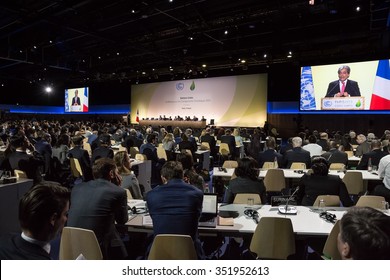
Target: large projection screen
229,101
315,81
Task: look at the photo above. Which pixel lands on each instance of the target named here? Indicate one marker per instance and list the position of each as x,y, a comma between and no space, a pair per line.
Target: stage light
357,9
226,32
48,89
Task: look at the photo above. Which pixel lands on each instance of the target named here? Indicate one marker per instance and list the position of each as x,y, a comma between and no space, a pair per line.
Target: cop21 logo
180,86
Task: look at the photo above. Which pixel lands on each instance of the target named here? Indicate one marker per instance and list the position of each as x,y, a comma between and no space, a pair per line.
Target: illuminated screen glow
230,101
76,100
373,78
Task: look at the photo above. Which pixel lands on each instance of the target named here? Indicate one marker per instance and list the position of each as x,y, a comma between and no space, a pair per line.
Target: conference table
307,222
296,174
173,123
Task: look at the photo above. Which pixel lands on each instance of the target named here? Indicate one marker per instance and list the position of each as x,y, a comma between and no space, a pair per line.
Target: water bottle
321,205
276,163
369,166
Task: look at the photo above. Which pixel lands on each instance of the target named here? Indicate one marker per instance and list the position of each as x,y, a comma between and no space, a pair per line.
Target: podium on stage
342,103
77,108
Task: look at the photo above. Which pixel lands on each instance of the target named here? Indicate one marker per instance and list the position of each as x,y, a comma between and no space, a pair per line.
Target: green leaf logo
192,87
358,104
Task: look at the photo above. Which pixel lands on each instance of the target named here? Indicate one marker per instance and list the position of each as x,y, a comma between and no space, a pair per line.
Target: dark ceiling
100,40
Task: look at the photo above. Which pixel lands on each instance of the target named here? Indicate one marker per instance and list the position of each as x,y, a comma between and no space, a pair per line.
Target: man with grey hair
352,134
364,146
297,154
343,87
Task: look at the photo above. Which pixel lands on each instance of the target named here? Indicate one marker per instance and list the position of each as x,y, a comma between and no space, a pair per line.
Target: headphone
141,210
252,214
329,217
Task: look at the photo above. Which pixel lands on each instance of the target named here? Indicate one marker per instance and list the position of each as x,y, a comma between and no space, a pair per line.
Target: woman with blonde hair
239,142
169,144
129,180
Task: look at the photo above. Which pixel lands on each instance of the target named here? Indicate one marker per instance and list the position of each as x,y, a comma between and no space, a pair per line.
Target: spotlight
48,89
289,55
357,9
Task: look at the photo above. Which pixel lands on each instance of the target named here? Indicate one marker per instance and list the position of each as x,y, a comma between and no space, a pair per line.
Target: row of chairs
300,166
373,201
275,181
329,200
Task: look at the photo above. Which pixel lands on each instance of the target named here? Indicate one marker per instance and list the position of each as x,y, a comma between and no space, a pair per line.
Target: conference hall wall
229,101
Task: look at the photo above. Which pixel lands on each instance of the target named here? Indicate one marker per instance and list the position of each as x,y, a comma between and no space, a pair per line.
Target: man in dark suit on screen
343,87
76,99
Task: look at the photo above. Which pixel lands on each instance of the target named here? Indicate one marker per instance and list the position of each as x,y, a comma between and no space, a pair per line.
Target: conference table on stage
173,123
306,223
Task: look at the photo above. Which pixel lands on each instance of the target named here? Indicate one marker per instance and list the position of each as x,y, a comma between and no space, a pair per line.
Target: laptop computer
208,218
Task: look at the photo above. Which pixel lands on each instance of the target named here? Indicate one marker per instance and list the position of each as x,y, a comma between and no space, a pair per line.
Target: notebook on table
208,218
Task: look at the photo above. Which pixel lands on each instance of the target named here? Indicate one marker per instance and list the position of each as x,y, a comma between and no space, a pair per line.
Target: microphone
289,210
336,85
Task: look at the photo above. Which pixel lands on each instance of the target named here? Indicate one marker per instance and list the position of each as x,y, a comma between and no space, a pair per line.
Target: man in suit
231,141
335,155
104,150
99,204
43,147
270,154
175,206
343,87
297,154
76,99
42,215
364,146
375,155
20,159
82,155
211,140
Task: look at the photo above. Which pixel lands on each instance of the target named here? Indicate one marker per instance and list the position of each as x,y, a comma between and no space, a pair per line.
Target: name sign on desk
282,200
342,103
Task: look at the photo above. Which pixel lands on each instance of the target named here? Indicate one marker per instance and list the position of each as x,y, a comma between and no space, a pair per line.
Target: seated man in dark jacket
100,204
175,206
42,215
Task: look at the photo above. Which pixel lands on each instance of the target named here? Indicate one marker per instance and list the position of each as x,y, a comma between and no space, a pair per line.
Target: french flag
85,100
380,99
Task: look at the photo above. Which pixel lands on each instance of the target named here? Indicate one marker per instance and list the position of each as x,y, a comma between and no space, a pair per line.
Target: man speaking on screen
76,99
343,87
